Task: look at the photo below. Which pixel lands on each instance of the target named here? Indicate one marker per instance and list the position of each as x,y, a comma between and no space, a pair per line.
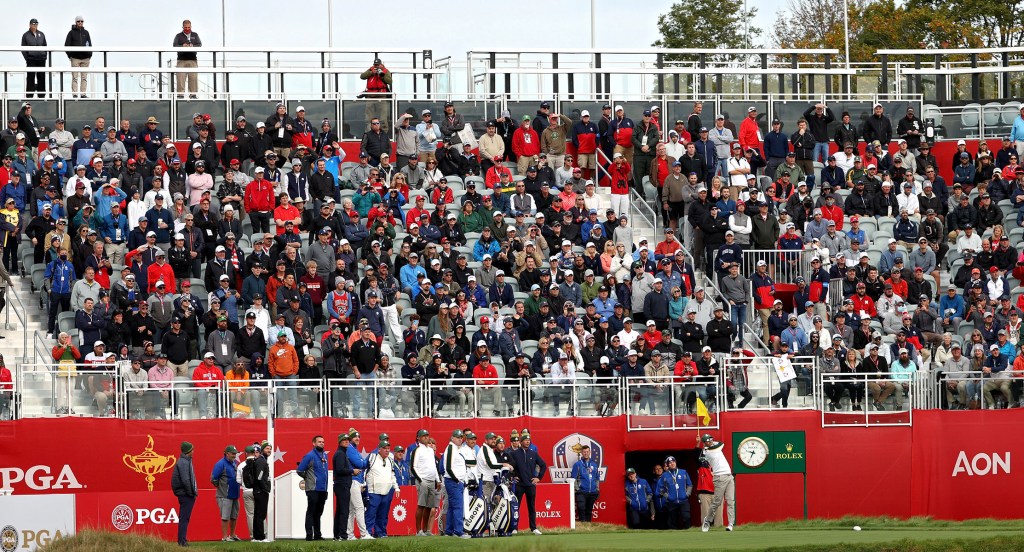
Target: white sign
30,521
982,464
39,478
783,369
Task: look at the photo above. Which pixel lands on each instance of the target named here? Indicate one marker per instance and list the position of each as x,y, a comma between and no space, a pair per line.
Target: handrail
208,49
291,69
668,51
15,303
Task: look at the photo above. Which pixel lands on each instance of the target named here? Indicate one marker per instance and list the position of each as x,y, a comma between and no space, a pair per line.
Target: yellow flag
702,412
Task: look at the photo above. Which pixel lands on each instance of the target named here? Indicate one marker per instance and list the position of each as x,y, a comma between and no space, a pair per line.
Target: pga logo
39,478
123,516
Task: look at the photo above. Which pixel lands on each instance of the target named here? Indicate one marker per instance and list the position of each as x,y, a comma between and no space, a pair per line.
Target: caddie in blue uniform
639,503
674,487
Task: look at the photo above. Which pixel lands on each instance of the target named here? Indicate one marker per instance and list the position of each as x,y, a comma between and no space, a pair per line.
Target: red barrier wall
949,465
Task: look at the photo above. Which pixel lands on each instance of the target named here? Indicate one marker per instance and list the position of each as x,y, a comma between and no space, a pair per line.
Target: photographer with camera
378,86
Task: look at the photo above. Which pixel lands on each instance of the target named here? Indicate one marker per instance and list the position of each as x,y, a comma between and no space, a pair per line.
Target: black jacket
342,467
803,145
262,476
819,125
719,335
183,478
527,464
247,345
29,39
78,37
877,128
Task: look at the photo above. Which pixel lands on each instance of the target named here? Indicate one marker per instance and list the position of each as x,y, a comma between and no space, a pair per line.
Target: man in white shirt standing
427,481
455,477
380,481
725,485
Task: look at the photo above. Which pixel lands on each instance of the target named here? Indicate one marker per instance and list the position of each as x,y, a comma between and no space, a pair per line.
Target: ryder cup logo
566,452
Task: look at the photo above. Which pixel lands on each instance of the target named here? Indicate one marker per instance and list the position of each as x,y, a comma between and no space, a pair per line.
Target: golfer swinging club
725,484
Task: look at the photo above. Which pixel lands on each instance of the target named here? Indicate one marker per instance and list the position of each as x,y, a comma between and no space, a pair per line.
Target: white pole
223,23
271,521
593,25
330,38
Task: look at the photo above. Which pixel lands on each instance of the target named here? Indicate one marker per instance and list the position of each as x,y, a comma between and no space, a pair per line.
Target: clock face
752,452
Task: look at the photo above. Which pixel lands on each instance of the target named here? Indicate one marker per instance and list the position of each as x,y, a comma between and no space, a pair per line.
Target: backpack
249,474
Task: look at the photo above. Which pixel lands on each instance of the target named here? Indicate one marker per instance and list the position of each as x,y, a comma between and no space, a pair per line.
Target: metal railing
760,377
744,383
784,265
872,400
978,390
14,303
654,403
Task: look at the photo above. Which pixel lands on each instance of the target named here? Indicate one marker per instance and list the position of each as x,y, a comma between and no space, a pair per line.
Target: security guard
674,486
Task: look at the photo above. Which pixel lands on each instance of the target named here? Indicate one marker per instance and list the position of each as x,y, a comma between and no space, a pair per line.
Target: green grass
878,534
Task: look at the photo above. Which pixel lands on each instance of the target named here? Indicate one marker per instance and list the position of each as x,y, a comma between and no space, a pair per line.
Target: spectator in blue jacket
107,195
963,173
951,308
59,275
410,273
313,469
706,149
224,478
674,487
776,146
486,245
15,190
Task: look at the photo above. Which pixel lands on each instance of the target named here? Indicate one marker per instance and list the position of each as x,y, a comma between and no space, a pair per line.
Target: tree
707,24
987,23
877,24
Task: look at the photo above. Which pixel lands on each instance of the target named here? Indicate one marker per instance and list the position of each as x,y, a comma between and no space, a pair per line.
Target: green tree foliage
708,24
914,24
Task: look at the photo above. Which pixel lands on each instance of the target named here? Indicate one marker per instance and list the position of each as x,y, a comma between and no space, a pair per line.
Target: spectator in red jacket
486,377
161,270
525,144
259,201
750,133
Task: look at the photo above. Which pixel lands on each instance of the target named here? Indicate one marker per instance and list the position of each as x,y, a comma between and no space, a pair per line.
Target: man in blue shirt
587,474
224,479
674,487
313,469
60,274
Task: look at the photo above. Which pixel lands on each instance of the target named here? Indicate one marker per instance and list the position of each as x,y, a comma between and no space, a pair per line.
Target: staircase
19,321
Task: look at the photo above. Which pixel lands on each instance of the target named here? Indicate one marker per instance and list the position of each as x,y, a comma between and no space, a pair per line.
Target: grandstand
777,84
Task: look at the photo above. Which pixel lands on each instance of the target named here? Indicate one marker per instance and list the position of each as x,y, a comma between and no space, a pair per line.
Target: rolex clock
752,452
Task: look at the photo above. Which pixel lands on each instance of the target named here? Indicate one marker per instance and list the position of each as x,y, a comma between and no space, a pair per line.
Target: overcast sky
254,23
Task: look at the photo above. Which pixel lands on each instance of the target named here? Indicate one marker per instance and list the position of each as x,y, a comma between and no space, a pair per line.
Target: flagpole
271,532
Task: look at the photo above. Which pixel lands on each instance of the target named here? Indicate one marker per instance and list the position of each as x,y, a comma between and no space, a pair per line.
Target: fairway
914,535
756,537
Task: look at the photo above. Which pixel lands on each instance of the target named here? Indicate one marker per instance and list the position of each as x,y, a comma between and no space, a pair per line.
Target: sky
619,24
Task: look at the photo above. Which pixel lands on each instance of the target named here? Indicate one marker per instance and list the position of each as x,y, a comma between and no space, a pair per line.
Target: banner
28,522
153,513
964,464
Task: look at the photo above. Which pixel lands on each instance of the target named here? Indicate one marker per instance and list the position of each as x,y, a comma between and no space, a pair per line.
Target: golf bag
504,508
475,517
